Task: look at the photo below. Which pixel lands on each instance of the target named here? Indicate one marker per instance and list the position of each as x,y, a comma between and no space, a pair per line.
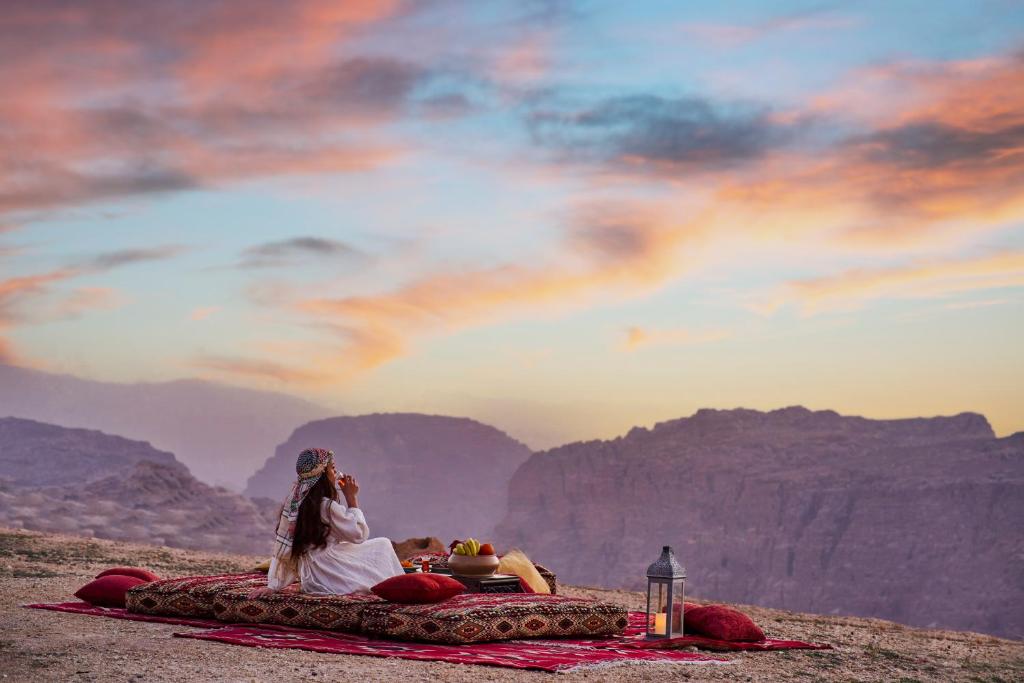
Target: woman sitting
324,542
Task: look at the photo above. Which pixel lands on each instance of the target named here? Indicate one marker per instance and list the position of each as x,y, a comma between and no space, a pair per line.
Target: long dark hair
310,530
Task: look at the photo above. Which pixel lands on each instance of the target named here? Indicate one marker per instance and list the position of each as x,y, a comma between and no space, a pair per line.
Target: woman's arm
347,523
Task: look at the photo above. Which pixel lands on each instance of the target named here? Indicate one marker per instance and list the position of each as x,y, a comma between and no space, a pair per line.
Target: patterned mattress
467,618
187,596
333,612
478,617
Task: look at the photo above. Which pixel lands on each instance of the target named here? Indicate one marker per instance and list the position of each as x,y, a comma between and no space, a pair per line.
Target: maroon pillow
418,588
722,623
138,572
108,591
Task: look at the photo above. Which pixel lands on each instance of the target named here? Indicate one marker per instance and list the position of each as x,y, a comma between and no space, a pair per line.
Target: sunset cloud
203,312
924,279
723,35
254,369
29,299
612,252
648,132
124,257
169,98
637,337
296,250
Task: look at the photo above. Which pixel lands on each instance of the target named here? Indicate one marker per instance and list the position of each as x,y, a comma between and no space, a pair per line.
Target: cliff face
913,520
419,474
221,433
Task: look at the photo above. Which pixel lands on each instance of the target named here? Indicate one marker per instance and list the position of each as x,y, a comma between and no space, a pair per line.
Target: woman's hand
350,487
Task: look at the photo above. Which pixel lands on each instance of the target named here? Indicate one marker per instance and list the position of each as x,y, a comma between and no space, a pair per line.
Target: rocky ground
41,645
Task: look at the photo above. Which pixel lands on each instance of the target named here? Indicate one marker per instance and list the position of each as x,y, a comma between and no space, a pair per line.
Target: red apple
486,549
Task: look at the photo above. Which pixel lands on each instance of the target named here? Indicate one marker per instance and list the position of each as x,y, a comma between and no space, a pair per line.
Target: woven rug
121,613
633,638
552,655
538,655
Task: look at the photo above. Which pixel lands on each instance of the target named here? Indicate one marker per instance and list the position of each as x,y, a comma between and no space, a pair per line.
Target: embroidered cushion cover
478,617
107,591
187,596
333,612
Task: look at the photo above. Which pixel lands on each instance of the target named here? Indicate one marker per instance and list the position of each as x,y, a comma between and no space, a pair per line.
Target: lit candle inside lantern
659,624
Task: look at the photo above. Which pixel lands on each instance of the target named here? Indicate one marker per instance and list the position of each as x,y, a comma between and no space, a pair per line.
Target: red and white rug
553,655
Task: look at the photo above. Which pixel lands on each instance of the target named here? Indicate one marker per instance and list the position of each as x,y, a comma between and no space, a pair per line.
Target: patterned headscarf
310,466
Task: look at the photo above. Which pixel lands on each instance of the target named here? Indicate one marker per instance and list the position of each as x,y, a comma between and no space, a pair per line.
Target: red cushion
525,587
138,572
108,591
418,588
722,623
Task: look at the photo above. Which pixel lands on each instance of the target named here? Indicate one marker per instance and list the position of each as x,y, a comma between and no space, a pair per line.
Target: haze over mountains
420,475
88,483
917,520
221,433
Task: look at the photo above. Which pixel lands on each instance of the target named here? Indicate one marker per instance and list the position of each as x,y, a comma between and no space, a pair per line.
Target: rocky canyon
915,520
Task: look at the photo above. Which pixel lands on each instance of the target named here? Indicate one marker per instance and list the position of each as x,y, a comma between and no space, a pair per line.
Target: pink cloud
852,289
203,312
172,96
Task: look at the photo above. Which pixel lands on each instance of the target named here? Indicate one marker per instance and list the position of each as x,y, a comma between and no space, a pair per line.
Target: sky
562,218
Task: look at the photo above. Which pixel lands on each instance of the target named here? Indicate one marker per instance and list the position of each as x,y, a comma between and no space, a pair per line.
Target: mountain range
914,520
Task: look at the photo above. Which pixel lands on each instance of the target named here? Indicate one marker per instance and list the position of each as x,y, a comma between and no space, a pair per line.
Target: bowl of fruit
472,558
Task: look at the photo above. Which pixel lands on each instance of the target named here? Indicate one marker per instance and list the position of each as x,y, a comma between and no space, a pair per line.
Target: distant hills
915,520
35,454
420,475
221,433
93,484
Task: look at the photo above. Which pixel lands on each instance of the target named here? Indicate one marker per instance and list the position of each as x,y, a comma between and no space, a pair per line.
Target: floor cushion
479,617
334,612
108,591
722,623
418,588
141,573
187,596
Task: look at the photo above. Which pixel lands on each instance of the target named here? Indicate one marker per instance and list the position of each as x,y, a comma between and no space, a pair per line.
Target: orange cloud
203,312
256,369
26,299
637,337
945,157
84,299
612,251
930,279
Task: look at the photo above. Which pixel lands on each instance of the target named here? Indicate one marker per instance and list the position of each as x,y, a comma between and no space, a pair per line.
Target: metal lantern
666,583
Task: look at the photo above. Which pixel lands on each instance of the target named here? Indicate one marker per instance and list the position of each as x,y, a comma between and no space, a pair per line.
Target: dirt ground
42,645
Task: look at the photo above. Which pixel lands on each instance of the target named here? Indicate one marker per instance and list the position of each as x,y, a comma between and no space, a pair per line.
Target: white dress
350,562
